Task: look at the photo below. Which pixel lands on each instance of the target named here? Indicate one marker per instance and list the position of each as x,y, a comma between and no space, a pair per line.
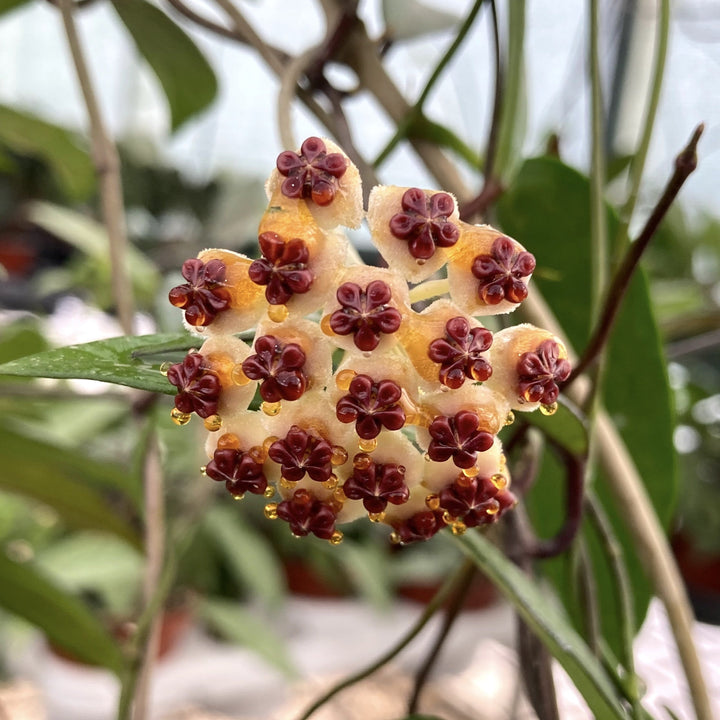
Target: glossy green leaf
248,555
552,628
66,622
547,209
233,622
69,163
83,491
110,361
566,427
186,76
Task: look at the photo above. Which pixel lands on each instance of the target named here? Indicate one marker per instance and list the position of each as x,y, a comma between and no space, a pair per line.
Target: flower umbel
345,366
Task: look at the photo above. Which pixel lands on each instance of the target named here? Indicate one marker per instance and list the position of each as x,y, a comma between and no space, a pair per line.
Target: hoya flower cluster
368,406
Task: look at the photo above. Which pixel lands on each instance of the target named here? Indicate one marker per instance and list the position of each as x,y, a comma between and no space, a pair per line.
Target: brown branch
685,164
452,610
205,22
107,169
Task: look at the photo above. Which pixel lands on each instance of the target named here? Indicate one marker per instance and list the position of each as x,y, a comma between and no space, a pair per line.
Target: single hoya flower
283,268
423,222
475,501
204,295
502,272
279,367
372,406
460,353
540,371
376,484
239,471
418,527
198,387
313,173
458,438
306,514
365,313
301,452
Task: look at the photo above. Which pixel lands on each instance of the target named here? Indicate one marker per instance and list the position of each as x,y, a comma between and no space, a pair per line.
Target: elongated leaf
548,624
249,556
186,77
233,622
566,427
63,618
27,134
548,210
109,361
74,485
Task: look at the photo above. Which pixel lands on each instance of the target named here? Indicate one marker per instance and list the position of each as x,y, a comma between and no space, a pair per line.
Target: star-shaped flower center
280,368
502,271
282,268
472,500
198,388
313,174
301,452
460,353
376,484
203,296
458,438
238,470
424,222
540,372
371,406
365,313
420,526
306,514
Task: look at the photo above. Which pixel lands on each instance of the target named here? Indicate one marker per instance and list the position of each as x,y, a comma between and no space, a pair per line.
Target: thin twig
205,22
430,609
685,163
107,169
452,611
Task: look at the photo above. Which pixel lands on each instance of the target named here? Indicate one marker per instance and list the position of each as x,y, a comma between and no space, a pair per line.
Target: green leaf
248,554
109,361
63,618
547,209
186,76
8,5
233,622
70,165
77,487
566,427
90,237
552,628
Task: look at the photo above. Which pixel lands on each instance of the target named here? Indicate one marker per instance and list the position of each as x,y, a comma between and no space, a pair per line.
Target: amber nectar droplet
367,445
228,441
269,491
271,409
165,367
376,517
339,455
510,418
325,326
203,470
471,472
278,313
549,409
213,423
238,376
336,538
331,483
458,528
180,418
499,481
271,511
344,378
432,502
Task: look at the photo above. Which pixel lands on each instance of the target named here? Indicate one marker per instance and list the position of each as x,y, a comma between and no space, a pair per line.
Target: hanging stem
107,169
452,611
448,587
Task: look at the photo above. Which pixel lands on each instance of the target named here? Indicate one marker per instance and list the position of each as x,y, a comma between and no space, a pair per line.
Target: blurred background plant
496,107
